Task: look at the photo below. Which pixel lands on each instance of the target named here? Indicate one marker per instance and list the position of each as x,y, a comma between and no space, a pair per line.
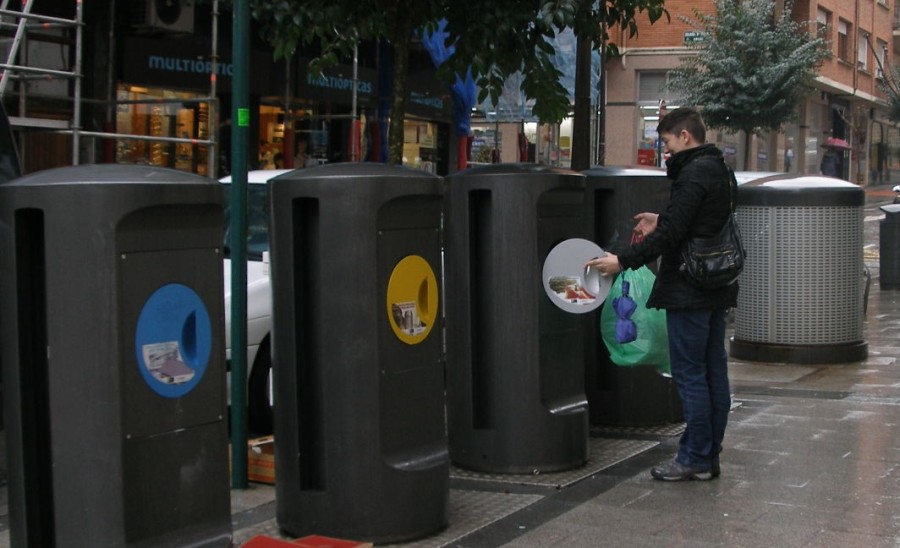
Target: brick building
847,102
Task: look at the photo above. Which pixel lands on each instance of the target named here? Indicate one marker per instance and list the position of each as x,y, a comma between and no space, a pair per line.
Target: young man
700,203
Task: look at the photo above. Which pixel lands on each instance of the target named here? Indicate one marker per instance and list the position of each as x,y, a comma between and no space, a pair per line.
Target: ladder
26,21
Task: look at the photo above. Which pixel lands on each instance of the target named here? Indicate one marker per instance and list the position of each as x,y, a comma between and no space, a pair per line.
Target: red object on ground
262,541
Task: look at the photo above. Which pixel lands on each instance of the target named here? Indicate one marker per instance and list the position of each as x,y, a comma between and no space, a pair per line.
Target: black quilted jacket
699,204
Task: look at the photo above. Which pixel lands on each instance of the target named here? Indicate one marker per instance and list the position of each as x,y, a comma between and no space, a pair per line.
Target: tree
495,38
753,70
891,89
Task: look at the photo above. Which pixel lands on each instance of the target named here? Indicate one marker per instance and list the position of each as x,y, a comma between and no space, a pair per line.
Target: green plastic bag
651,347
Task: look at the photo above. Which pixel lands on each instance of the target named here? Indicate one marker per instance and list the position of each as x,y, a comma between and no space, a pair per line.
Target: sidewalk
812,458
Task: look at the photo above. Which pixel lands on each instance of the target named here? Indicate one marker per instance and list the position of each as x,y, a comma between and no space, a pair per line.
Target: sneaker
674,471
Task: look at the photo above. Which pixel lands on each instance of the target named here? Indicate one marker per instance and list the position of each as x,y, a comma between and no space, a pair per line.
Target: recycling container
360,439
801,297
889,247
113,358
515,362
634,395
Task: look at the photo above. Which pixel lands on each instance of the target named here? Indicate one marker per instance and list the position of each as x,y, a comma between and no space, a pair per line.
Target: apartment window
823,24
843,40
880,54
862,51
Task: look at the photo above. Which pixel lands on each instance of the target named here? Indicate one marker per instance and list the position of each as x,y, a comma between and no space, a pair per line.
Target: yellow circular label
412,299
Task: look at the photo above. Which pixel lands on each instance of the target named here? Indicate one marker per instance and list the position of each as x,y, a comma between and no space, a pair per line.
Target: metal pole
212,120
76,100
354,138
239,141
17,39
111,91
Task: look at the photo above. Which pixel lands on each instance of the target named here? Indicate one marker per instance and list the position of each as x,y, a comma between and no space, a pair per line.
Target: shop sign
335,83
429,96
185,65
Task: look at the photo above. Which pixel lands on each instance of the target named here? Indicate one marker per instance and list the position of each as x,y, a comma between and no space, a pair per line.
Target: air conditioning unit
175,16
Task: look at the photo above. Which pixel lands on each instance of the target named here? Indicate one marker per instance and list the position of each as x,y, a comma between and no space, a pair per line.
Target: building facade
162,72
847,101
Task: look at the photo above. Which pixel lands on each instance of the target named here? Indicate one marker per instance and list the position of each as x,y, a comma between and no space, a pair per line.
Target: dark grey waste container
635,395
801,297
515,362
889,248
113,358
360,440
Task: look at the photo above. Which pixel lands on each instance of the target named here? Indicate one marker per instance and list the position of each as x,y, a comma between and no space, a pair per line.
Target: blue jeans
700,370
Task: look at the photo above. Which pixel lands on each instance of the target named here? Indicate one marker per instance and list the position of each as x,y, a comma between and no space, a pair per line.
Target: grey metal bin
889,248
624,396
360,439
515,362
801,297
113,358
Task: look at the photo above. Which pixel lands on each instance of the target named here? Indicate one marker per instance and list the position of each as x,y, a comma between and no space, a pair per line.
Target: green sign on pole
243,117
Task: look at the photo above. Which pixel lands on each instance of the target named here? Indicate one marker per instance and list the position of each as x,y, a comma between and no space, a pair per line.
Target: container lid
800,190
354,170
513,169
92,174
625,171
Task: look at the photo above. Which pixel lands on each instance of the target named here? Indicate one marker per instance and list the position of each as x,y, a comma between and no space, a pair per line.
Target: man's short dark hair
684,118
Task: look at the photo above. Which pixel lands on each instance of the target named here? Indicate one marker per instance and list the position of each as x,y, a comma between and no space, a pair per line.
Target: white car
259,299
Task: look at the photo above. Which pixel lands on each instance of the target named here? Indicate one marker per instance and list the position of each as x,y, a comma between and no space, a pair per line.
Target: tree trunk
748,134
581,124
401,36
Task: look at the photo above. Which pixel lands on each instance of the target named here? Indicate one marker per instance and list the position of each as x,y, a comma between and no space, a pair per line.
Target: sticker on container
412,299
166,364
173,340
568,284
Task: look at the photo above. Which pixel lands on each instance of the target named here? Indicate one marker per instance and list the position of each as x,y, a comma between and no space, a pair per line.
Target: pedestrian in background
700,203
830,163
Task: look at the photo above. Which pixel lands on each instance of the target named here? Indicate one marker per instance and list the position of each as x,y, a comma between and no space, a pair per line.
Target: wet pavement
811,458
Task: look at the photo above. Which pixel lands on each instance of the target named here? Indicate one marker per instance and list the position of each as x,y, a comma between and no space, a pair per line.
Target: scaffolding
20,69
24,22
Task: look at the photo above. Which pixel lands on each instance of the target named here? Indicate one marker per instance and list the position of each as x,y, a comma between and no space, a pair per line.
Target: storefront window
878,154
762,153
486,144
165,114
293,139
813,159
650,147
420,145
654,100
788,152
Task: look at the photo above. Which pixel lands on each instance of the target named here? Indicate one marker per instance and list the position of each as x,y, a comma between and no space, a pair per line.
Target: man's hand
646,223
608,264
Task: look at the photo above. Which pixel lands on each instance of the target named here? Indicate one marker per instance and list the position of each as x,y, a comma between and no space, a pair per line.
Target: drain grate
664,430
794,393
603,453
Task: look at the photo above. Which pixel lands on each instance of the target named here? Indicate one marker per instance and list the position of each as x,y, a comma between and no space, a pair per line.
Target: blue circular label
173,340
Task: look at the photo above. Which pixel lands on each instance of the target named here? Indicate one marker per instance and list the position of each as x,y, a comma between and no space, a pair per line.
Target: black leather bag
711,263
